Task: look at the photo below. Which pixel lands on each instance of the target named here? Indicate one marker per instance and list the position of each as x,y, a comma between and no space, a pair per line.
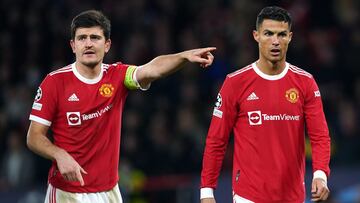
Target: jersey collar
86,80
271,77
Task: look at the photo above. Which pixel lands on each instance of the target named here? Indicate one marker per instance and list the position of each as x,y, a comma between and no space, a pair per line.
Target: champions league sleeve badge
38,94
218,101
36,105
218,104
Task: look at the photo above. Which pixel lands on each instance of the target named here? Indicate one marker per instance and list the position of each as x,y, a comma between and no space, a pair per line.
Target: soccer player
82,103
267,105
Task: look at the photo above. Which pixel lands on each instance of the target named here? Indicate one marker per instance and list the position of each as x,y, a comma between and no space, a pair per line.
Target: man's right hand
68,167
208,200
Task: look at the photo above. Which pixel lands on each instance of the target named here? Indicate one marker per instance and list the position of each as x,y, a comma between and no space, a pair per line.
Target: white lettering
96,114
317,93
37,106
280,117
217,113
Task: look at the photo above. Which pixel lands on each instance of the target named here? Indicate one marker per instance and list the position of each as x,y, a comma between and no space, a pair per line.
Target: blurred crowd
164,128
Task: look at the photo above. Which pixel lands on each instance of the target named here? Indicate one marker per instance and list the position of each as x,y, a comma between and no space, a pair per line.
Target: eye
268,34
95,37
81,37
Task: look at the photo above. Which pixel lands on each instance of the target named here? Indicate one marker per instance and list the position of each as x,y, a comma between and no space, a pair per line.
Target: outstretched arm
164,65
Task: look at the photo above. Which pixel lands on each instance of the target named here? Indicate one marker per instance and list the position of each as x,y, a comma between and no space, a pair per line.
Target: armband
129,81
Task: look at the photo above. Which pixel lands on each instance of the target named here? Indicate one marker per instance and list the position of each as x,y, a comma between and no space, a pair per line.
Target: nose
275,41
88,42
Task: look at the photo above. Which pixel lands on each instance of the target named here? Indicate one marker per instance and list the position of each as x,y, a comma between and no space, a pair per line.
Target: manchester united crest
292,95
106,90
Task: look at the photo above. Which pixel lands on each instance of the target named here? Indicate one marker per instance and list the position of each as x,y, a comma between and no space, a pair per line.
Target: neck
89,72
271,68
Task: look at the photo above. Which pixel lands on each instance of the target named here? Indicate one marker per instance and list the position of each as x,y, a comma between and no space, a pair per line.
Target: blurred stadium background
165,128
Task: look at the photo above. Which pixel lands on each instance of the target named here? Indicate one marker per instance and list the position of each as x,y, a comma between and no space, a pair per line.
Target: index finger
80,178
207,49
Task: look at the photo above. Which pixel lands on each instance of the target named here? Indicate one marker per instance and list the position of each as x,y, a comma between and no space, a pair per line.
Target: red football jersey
85,118
268,116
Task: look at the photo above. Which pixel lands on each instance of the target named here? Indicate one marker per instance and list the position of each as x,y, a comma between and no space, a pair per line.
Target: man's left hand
319,190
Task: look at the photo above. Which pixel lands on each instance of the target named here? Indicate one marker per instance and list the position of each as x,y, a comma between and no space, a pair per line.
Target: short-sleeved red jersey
85,118
267,115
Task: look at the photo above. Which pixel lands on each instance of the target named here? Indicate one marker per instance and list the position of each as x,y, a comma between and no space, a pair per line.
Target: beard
91,64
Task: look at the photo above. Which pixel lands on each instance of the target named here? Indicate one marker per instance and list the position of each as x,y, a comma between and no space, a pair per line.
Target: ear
290,36
256,35
107,45
72,44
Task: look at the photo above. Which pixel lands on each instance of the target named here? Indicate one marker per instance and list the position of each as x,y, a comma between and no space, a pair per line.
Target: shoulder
299,72
58,74
61,71
240,72
115,66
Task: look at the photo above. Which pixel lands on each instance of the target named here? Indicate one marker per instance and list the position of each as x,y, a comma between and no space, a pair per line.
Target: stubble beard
91,64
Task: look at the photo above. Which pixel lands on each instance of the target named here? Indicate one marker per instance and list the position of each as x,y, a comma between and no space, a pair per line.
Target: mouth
89,53
275,52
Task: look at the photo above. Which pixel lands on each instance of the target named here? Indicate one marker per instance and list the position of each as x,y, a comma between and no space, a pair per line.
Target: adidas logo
73,97
252,96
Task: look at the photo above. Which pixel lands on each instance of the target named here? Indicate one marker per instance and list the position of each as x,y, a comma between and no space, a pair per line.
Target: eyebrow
282,32
91,35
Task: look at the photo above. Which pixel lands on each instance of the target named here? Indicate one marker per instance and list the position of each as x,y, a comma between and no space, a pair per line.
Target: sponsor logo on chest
76,118
257,117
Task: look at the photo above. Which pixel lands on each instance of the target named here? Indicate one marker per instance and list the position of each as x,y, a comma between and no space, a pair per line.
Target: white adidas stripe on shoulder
240,71
61,70
105,66
299,71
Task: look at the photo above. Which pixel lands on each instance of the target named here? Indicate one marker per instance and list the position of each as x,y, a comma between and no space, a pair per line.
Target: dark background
164,128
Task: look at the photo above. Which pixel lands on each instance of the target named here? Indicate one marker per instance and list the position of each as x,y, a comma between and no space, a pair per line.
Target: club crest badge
106,90
292,95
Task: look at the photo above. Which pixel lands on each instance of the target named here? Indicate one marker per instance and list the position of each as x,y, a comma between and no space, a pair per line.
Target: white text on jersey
96,114
280,117
257,118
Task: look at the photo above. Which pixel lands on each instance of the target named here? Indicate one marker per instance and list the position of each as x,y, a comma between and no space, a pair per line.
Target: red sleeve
317,128
45,102
222,122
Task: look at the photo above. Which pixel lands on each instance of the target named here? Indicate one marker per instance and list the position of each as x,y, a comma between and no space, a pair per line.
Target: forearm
164,65
38,142
43,147
161,66
320,144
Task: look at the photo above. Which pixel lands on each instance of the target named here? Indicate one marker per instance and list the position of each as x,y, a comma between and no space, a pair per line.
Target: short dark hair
91,18
273,13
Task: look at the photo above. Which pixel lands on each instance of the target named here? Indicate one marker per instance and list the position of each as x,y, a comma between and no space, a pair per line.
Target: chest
81,101
281,97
